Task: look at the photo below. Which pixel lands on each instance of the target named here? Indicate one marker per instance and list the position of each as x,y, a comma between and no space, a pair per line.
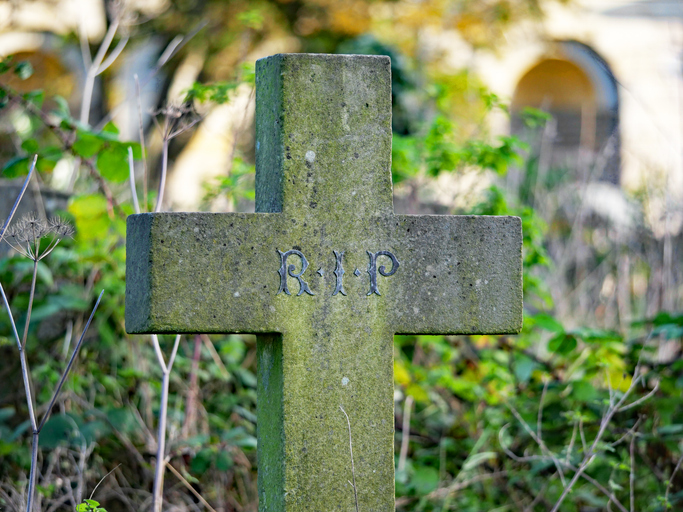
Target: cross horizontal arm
458,275
257,272
188,273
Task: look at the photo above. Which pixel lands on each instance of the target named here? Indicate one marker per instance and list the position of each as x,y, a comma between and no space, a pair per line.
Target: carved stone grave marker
324,274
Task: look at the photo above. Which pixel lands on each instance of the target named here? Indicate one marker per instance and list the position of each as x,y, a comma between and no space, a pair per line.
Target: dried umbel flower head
30,228
60,227
24,236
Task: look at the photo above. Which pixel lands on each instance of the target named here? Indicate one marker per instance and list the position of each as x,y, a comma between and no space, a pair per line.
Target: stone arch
574,84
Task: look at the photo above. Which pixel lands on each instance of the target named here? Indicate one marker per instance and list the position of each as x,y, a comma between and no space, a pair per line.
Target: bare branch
131,168
112,56
93,71
405,440
632,475
189,487
70,364
19,197
671,479
640,400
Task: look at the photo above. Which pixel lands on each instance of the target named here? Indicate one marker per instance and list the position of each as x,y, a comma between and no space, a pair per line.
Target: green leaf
584,391
92,503
5,64
6,413
112,163
23,69
548,323
111,128
62,107
122,419
223,461
87,145
16,166
670,429
36,98
90,214
524,367
424,480
30,146
562,344
201,462
58,430
597,335
478,458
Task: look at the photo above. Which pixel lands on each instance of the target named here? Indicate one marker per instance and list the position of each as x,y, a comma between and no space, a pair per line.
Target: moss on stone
323,184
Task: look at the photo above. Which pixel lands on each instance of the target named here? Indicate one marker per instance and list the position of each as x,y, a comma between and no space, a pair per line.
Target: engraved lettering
284,270
372,269
339,272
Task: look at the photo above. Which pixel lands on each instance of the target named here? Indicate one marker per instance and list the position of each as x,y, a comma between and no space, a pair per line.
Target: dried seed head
60,227
14,234
30,228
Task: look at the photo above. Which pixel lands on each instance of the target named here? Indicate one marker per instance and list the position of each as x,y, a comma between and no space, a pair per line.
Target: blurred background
567,113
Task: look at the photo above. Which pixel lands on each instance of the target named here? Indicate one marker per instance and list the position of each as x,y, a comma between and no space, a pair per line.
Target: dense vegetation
580,412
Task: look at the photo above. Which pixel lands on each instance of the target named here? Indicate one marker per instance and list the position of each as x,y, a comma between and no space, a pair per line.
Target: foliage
493,414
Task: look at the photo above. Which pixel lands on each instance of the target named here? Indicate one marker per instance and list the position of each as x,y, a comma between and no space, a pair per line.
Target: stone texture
323,184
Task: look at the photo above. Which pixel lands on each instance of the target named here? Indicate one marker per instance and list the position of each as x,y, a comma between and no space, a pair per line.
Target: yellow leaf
417,392
401,375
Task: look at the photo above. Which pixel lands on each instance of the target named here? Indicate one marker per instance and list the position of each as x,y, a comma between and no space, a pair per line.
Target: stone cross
324,274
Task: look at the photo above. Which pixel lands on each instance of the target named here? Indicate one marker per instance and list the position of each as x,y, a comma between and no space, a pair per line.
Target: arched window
575,85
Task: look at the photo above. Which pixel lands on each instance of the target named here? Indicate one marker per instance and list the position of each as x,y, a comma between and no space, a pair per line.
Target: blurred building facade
610,73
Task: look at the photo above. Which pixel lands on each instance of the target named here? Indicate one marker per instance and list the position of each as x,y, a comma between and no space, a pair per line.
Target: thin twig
353,469
539,419
93,71
541,444
19,197
459,486
162,179
102,480
142,141
570,448
632,474
131,168
189,486
405,440
671,479
157,350
214,355
171,49
568,466
640,400
628,433
590,455
65,374
113,56
157,494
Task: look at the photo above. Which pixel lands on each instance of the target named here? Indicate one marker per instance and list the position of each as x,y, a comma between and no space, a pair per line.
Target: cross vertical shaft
323,158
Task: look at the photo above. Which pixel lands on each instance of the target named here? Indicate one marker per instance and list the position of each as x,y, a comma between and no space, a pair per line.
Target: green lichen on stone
323,185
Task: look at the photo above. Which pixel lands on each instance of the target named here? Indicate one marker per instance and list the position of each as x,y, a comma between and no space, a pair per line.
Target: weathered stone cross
325,275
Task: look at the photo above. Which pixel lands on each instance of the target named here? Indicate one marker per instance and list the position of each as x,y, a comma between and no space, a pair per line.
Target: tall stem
30,302
162,179
32,474
93,71
157,495
161,446
26,375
